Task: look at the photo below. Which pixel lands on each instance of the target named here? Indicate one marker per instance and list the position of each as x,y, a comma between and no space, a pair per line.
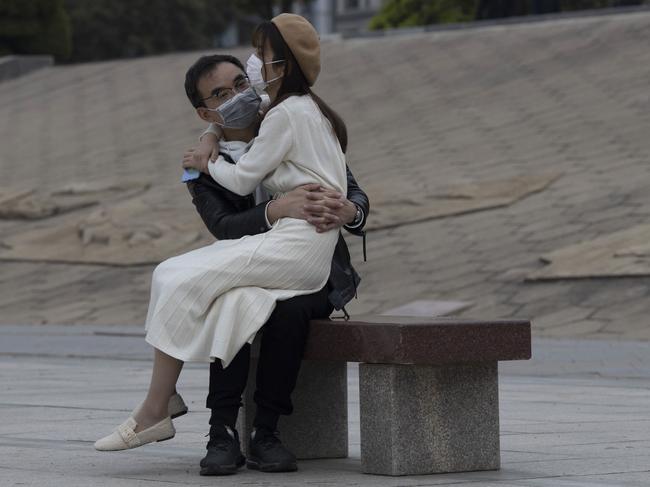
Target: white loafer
125,437
176,406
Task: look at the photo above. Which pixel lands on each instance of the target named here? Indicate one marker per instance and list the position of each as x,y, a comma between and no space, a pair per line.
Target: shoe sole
222,469
179,414
271,467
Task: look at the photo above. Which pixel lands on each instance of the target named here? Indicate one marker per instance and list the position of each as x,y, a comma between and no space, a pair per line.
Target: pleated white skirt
206,304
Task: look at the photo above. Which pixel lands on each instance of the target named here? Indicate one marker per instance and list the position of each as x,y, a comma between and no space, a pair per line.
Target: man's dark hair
200,68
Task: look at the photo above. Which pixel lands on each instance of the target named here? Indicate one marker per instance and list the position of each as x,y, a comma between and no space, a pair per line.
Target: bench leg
318,426
427,419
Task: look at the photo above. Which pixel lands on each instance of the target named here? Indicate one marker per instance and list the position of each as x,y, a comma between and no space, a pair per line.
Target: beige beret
302,39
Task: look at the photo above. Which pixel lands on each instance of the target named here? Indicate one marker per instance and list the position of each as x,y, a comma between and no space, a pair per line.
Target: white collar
234,148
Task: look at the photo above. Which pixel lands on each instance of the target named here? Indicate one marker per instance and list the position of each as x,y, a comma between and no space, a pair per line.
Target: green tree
588,4
410,13
35,27
495,9
105,29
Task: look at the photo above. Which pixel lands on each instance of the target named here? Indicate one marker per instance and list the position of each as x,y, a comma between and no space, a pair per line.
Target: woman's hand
199,157
324,208
192,160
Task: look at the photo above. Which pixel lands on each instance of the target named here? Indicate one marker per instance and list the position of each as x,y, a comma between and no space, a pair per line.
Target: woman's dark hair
294,81
200,68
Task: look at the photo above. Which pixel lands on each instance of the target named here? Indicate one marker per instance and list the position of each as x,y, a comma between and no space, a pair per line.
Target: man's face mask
254,67
240,111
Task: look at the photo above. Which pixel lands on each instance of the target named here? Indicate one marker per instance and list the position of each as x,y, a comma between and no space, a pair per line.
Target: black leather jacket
230,216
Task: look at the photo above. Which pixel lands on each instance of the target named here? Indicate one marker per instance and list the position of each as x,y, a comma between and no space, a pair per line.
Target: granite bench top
423,341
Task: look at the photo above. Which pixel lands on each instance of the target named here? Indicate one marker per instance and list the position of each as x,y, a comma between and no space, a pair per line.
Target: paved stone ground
562,424
423,110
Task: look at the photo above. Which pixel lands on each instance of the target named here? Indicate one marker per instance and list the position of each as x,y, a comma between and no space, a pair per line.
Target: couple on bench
278,262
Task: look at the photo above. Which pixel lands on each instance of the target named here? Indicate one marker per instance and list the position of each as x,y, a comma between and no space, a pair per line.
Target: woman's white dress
206,304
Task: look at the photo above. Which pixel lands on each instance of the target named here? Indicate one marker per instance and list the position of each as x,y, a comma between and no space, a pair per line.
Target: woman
206,304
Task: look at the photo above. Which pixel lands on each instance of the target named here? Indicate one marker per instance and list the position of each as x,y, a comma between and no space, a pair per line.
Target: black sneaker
224,453
266,453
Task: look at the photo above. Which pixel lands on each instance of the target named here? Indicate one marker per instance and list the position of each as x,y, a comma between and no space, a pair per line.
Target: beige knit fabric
302,39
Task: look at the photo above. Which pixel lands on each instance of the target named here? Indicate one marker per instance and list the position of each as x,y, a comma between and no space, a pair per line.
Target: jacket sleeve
358,197
220,216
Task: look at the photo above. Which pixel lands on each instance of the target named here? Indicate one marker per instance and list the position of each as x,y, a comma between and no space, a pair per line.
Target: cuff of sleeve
266,214
216,168
210,130
357,224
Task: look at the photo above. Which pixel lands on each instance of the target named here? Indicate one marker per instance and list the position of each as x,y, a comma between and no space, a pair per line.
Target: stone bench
428,392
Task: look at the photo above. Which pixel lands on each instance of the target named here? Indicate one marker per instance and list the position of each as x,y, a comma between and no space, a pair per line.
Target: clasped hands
324,208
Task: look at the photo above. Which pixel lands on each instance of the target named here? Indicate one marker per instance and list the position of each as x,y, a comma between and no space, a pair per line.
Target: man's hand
324,208
329,209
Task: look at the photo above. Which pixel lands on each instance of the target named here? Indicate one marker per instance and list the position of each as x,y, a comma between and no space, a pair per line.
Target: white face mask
254,67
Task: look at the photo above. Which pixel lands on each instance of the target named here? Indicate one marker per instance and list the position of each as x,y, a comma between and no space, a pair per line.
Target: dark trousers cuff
265,418
224,416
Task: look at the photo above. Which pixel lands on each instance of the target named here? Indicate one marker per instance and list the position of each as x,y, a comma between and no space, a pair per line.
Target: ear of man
206,115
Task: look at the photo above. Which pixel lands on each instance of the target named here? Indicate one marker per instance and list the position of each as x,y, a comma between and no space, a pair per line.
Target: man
209,83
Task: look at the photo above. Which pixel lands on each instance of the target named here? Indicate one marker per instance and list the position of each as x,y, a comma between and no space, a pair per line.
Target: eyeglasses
221,95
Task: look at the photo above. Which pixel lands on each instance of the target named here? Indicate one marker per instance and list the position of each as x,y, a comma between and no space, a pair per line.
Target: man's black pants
284,337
